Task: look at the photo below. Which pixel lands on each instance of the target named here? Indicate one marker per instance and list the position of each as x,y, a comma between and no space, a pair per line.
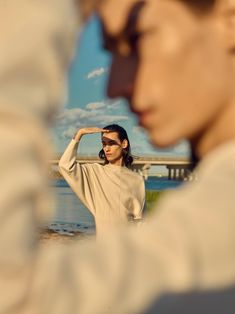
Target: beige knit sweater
113,194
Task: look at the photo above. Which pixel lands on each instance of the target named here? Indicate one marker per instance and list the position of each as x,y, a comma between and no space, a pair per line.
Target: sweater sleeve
77,175
140,205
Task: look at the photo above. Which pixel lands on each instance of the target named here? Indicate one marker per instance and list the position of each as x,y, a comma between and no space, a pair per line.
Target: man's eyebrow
129,28
131,23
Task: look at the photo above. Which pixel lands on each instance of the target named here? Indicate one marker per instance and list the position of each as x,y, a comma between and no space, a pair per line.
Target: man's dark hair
200,6
122,134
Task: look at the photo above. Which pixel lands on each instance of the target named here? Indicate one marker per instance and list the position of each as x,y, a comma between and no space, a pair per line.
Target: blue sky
87,104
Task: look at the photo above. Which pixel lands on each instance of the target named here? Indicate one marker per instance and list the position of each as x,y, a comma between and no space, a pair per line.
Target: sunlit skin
113,148
175,68
112,145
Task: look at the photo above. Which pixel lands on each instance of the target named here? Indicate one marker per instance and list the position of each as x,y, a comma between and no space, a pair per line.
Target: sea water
71,215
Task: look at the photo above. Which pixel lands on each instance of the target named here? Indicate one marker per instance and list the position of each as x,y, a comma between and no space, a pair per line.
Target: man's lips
145,118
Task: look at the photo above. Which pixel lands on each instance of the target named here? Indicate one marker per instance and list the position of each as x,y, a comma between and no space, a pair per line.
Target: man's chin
161,141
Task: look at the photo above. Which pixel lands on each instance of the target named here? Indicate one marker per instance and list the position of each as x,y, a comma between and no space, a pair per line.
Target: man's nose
122,76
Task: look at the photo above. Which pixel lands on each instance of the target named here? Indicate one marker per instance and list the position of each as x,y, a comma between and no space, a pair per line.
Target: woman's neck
118,162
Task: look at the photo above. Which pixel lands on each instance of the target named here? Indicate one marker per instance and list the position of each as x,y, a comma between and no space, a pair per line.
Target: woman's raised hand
89,130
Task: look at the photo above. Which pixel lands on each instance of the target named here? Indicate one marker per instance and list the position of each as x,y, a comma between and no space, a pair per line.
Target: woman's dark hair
122,134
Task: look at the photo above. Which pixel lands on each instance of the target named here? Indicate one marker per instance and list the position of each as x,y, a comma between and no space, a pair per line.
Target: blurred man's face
169,64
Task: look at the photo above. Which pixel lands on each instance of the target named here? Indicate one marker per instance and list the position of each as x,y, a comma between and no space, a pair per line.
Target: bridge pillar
178,172
143,170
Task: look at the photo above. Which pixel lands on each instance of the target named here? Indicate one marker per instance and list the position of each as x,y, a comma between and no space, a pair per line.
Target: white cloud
95,115
108,104
70,116
116,104
95,105
96,72
69,133
106,119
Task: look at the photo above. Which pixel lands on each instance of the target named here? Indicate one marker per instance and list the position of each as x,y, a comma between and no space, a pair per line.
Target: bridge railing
178,169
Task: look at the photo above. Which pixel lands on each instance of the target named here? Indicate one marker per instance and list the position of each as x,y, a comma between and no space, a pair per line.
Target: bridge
178,168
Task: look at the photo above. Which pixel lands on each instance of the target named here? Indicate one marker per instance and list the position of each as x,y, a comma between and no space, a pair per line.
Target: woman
113,193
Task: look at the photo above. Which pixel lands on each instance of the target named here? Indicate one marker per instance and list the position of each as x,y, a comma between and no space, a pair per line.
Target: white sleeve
139,208
77,175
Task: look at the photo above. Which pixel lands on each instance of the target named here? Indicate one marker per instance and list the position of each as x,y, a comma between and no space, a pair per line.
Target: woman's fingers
90,130
96,130
83,131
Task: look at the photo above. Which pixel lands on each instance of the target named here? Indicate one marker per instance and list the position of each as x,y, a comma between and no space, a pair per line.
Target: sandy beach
47,236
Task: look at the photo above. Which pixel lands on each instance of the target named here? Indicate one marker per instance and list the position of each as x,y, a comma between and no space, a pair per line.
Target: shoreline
47,235
56,175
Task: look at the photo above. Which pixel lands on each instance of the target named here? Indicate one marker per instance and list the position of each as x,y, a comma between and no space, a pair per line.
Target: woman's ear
124,144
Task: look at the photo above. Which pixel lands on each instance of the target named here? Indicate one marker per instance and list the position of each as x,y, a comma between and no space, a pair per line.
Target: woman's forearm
78,135
68,159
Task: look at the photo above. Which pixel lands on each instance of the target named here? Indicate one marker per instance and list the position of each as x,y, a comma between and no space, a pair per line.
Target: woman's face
113,147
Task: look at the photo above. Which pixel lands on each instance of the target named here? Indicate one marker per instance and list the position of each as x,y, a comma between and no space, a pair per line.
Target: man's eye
133,39
107,45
